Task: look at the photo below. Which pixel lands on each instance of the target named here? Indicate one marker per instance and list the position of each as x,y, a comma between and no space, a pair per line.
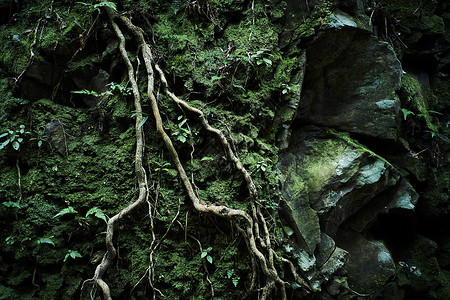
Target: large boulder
370,265
400,197
351,81
325,178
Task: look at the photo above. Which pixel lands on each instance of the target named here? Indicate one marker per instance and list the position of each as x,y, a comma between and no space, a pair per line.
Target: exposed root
31,59
256,233
139,170
19,181
252,230
267,265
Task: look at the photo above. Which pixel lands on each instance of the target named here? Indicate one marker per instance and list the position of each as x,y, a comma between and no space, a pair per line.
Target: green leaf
71,253
86,92
136,113
176,6
4,144
65,211
97,212
267,61
10,240
239,86
235,281
406,113
39,144
207,158
4,134
144,119
214,78
11,204
181,138
109,4
16,145
203,254
209,259
182,123
45,241
74,254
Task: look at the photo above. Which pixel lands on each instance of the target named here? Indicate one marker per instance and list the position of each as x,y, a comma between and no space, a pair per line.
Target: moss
418,101
427,279
361,148
319,16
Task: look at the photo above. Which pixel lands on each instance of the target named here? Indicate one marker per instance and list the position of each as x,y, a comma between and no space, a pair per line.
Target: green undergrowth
50,27
78,158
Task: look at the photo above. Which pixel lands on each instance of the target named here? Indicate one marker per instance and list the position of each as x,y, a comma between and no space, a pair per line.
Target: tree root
31,59
140,176
256,233
253,233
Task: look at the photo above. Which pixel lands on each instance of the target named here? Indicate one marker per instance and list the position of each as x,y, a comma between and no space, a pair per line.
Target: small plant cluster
205,253
231,274
113,87
14,137
12,239
97,212
181,133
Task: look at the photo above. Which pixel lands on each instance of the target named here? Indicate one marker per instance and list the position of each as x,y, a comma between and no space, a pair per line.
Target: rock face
370,265
328,179
325,180
351,80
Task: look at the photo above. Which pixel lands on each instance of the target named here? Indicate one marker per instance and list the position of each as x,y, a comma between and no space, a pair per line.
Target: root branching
254,231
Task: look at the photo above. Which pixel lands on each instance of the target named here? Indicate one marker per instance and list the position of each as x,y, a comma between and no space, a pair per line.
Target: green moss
415,95
361,148
427,279
319,16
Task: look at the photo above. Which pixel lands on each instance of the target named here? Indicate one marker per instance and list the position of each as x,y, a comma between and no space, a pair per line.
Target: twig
30,60
36,286
19,183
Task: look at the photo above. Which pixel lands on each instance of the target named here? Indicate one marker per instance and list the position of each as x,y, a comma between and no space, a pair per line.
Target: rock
57,136
38,80
97,84
336,261
305,261
327,175
351,81
333,264
354,6
370,265
288,111
428,281
324,249
401,197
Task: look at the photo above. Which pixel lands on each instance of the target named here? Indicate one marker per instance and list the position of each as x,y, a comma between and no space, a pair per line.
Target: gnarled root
252,232
139,170
256,233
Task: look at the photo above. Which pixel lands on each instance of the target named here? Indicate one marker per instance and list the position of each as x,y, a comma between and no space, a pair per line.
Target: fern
176,6
106,3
